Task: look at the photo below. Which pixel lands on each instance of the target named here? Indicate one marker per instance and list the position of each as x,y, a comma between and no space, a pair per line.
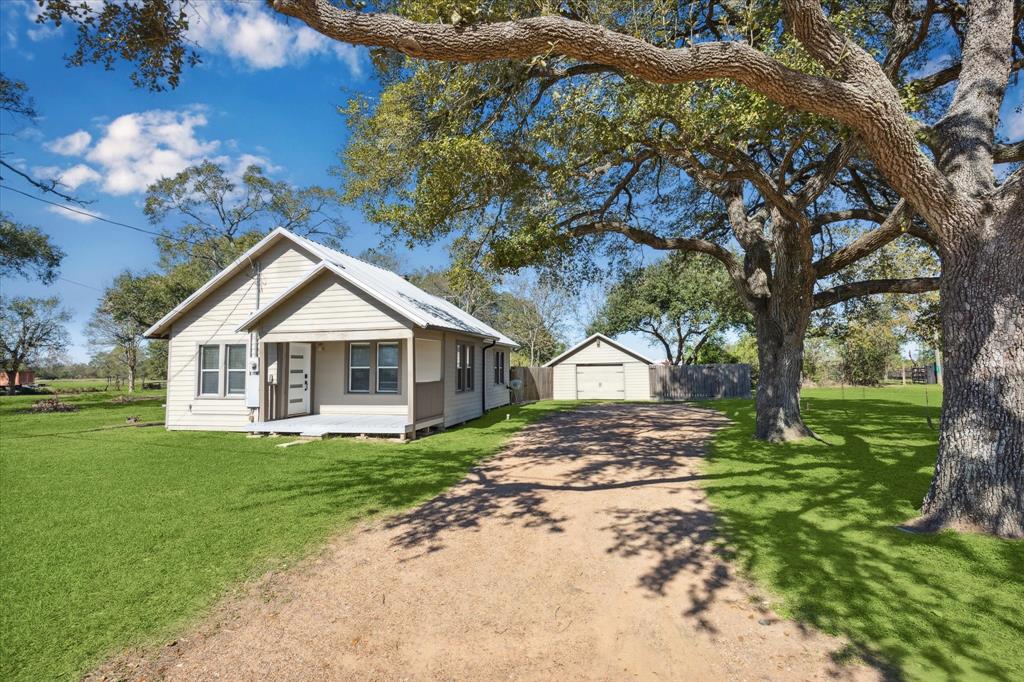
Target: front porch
320,425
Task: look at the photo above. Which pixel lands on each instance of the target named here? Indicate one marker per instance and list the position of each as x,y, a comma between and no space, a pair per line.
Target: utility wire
98,217
87,286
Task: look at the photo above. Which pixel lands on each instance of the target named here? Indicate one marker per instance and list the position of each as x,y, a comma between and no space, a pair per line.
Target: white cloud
251,35
78,175
248,33
65,212
70,145
71,178
132,151
137,149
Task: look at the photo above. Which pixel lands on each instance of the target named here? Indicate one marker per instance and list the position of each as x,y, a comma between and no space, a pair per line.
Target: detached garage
598,368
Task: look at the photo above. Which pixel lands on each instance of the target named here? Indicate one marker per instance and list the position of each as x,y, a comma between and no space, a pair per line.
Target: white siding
497,394
328,304
330,376
564,381
638,381
598,352
213,320
465,405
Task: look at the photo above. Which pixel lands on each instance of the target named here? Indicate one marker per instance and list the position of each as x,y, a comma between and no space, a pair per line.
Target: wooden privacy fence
699,382
537,383
668,382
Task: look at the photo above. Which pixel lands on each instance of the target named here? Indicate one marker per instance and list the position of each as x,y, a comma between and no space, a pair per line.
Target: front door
298,378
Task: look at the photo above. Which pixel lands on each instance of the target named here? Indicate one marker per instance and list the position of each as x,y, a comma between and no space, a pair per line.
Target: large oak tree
941,165
945,171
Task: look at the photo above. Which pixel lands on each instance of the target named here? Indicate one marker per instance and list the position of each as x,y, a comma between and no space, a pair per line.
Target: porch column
410,369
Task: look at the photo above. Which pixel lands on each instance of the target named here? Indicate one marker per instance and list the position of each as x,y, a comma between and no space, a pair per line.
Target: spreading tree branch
844,292
639,236
862,97
49,187
1012,152
866,244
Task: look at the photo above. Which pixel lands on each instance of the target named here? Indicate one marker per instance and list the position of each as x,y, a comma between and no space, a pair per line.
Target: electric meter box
252,383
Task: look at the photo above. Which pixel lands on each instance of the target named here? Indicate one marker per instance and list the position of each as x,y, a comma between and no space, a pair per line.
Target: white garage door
600,382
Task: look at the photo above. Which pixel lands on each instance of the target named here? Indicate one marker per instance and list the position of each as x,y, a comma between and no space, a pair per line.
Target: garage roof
590,339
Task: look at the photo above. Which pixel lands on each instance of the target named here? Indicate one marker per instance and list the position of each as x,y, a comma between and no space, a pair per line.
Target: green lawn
815,523
111,538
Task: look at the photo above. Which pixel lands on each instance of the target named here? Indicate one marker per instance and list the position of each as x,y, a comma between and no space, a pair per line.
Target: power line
87,286
98,217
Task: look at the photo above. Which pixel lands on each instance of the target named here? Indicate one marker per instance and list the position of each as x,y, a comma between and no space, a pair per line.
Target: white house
294,337
600,368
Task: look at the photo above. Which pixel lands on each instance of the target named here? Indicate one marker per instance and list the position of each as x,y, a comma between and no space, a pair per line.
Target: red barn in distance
22,378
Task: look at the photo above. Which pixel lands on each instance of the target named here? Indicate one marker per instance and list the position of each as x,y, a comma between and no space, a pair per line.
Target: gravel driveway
585,551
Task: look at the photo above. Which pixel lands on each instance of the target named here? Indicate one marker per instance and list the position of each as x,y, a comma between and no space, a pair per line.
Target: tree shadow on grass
818,523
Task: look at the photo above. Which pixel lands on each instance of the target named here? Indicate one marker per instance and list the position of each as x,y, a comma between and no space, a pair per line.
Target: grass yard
816,524
112,538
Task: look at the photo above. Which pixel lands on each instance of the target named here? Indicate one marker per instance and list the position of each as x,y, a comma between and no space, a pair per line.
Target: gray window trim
222,372
204,371
397,368
465,366
228,370
499,368
368,367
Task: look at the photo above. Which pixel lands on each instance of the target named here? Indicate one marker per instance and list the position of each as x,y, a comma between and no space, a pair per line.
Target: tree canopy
31,329
26,251
208,218
682,302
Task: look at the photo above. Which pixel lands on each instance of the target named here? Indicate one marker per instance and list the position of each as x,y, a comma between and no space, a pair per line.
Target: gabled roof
590,339
389,289
313,273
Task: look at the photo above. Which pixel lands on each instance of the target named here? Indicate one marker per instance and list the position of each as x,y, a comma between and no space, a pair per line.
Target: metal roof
388,288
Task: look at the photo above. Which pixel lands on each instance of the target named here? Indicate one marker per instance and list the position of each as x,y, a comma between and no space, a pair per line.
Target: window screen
359,367
236,369
209,370
387,367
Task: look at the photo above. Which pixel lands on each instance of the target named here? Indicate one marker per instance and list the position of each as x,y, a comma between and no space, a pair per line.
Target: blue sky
267,91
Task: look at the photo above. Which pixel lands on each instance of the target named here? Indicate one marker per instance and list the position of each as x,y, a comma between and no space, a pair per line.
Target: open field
112,538
80,385
816,523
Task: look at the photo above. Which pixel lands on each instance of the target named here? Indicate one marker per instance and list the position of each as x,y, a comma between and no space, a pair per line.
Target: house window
387,367
209,370
359,367
236,369
499,367
460,357
464,366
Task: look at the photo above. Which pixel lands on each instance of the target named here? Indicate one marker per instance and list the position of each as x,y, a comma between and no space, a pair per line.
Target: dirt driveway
585,551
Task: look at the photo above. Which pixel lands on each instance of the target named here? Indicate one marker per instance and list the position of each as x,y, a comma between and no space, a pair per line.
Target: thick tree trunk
11,375
780,351
781,322
131,379
979,476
